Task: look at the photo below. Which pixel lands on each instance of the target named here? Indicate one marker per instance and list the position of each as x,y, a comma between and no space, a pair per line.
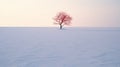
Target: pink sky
85,13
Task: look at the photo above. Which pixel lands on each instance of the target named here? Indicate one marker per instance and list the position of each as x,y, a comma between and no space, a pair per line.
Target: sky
39,13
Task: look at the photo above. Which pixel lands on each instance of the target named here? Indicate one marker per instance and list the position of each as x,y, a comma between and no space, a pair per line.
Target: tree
62,18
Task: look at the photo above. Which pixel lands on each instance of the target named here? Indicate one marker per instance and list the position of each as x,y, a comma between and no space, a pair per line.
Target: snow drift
51,47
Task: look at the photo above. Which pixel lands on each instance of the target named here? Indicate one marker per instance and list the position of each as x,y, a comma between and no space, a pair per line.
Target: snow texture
51,47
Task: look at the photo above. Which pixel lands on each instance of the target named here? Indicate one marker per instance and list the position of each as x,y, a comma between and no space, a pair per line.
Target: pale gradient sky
85,13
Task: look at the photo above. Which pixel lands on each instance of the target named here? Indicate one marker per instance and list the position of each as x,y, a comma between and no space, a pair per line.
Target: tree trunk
61,26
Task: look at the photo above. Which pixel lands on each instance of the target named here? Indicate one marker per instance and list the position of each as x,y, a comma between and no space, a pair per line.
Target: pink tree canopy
62,18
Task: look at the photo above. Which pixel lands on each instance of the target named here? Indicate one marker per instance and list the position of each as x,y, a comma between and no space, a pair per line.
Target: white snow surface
51,47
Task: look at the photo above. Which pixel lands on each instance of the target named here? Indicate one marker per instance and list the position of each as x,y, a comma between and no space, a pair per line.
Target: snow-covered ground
51,47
